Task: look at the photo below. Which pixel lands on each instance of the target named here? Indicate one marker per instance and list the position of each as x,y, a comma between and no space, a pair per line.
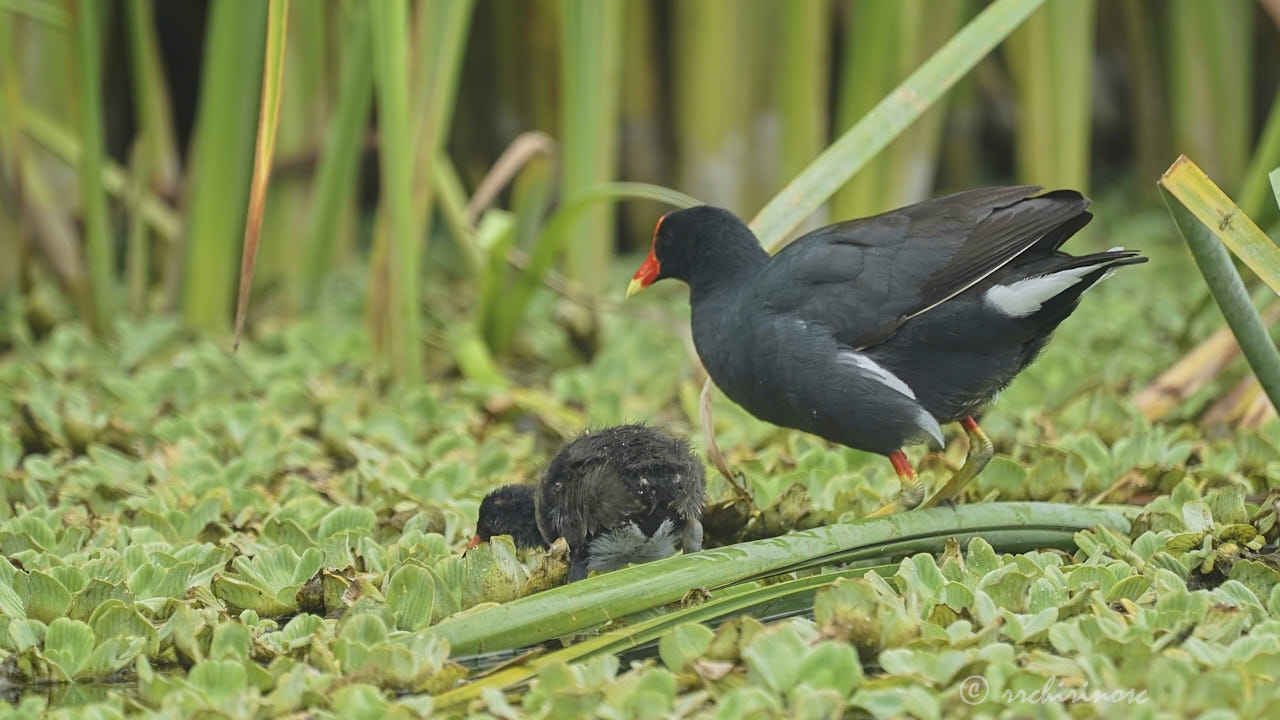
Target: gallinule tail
873,332
620,495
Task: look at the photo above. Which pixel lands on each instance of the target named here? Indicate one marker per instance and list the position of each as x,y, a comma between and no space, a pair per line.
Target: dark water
66,694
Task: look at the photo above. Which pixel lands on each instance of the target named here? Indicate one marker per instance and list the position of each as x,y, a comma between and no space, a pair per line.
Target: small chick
624,494
620,495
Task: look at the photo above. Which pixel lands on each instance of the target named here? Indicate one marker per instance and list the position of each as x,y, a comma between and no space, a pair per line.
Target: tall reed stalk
801,83
590,75
1210,76
222,160
152,111
884,41
335,180
97,234
710,100
1050,59
389,20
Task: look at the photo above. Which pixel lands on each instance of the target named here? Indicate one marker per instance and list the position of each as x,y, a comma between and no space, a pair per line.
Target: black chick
620,495
624,494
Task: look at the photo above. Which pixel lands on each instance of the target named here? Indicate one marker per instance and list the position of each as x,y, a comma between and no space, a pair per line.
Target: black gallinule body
872,332
620,495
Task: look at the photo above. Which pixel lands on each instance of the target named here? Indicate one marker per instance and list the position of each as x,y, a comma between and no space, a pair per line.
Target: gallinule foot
619,495
872,332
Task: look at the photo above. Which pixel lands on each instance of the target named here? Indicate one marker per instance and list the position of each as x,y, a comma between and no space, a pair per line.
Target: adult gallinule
619,495
872,332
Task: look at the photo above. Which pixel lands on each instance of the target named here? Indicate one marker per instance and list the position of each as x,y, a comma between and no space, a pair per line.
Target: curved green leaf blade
1223,219
1202,213
590,602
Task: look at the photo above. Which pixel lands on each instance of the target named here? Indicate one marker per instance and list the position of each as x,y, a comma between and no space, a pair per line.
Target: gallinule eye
620,495
509,510
872,332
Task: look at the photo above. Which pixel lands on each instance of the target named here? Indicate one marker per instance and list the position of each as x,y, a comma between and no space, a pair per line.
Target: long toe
912,491
980,452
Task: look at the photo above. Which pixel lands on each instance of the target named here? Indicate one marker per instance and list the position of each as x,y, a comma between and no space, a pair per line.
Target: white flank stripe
1024,297
882,376
929,424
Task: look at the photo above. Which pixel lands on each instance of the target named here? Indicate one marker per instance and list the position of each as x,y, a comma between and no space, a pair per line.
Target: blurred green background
128,128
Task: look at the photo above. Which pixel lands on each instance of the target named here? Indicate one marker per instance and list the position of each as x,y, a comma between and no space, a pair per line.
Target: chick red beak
475,540
645,276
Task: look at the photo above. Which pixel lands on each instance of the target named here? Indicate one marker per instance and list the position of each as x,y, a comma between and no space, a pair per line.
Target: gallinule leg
912,491
980,452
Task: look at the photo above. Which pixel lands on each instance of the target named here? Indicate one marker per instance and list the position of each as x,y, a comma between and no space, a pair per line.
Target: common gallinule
872,332
620,495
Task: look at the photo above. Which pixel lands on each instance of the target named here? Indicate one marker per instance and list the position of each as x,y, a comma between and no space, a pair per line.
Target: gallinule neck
620,495
872,332
509,510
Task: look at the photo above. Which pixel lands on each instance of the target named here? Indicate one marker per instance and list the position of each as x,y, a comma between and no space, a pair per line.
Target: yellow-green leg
912,491
980,452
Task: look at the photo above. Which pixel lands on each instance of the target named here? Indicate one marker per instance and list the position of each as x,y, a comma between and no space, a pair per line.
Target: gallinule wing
619,495
872,332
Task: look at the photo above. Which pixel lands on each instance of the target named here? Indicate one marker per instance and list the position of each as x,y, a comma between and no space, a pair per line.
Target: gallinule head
872,332
509,510
622,495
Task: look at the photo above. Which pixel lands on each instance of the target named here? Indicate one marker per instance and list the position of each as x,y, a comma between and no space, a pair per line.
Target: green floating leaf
230,642
26,634
110,657
218,679
10,604
47,599
113,620
360,702
1258,577
1197,517
493,573
68,645
773,658
298,633
349,519
411,595
832,666
684,644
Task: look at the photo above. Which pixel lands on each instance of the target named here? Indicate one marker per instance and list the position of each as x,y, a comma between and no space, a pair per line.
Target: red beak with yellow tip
650,269
645,276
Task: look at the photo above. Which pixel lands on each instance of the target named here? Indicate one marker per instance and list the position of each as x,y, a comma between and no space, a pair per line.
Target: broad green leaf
345,519
411,595
231,641
684,644
68,644
218,679
113,620
48,599
832,666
